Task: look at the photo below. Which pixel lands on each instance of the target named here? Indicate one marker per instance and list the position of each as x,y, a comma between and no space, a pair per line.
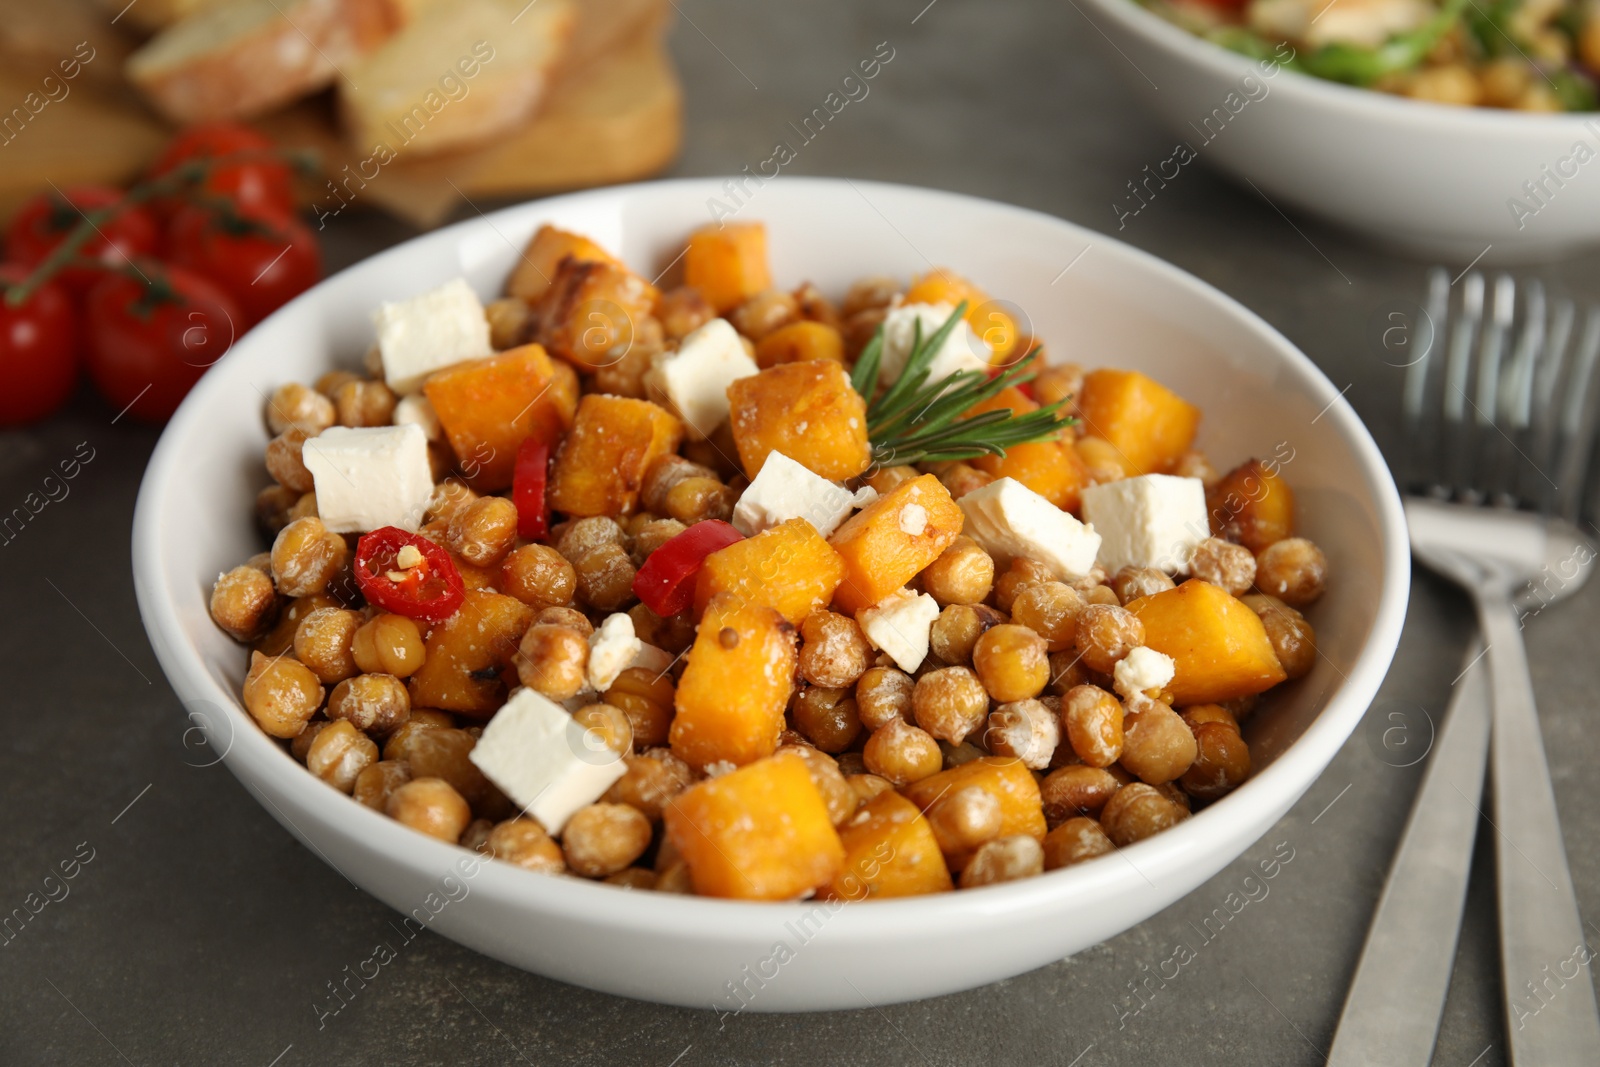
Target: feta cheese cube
370,476
962,350
1009,520
899,624
614,648
418,336
1141,670
785,490
1154,520
694,380
544,760
418,408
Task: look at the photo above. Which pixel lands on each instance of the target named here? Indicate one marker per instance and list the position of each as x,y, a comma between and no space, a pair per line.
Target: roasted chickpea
965,819
376,703
522,842
606,727
698,499
1131,583
1292,637
484,531
883,695
1195,464
884,479
1067,672
1221,764
1012,662
1224,564
388,644
281,694
322,642
956,755
954,633
444,753
286,462
1157,745
840,798
603,839
963,574
1051,610
1136,811
1026,730
827,717
570,617
1094,723
1106,634
449,497
1294,570
865,294
673,634
962,478
902,753
1019,575
1068,792
764,312
1005,859
683,311
300,747
339,754
298,406
1074,841
244,603
868,786
306,556
272,507
582,536
364,403
645,697
652,535
377,780
430,806
553,660
538,576
476,835
605,577
833,651
652,779
1200,714
1063,381
949,703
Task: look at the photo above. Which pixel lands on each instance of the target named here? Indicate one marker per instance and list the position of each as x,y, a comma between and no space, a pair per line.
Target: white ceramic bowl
1115,305
1427,179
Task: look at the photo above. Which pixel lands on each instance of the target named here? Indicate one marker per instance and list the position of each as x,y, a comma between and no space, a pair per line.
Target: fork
1496,402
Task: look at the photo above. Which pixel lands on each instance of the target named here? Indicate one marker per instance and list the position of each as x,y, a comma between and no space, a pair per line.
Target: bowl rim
1353,100
254,757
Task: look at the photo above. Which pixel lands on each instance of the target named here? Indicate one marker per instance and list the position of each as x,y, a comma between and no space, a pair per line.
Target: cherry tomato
427,586
45,221
263,183
666,581
150,338
38,350
262,259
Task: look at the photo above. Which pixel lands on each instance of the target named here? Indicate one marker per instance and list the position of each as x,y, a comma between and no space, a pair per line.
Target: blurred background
201,933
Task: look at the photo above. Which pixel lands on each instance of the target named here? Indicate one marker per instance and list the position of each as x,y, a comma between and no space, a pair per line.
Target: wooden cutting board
614,114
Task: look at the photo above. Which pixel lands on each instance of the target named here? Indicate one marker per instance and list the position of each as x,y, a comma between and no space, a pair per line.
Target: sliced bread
456,76
243,57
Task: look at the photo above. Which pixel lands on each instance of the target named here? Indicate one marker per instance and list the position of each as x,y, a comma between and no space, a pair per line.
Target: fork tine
1490,444
1549,368
1577,427
1516,397
1418,412
1455,431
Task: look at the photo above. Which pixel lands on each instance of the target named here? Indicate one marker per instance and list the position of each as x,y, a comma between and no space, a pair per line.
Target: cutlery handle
1391,1014
1550,1006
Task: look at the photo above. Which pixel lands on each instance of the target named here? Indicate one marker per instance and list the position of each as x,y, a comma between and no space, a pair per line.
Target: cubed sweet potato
759,833
889,851
466,653
487,407
987,318
1043,466
728,263
808,411
593,311
735,685
1149,424
798,342
787,567
887,543
601,462
1006,778
534,272
1252,504
1218,645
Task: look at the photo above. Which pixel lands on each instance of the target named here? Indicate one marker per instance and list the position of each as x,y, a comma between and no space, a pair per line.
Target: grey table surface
200,932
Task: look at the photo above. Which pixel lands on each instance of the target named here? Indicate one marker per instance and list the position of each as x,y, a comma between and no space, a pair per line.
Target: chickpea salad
757,593
1525,55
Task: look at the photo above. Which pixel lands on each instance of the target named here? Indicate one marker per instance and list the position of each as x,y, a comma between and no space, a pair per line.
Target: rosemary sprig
918,421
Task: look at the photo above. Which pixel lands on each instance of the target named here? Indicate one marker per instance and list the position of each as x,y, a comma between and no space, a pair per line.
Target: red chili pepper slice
430,590
527,489
666,581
